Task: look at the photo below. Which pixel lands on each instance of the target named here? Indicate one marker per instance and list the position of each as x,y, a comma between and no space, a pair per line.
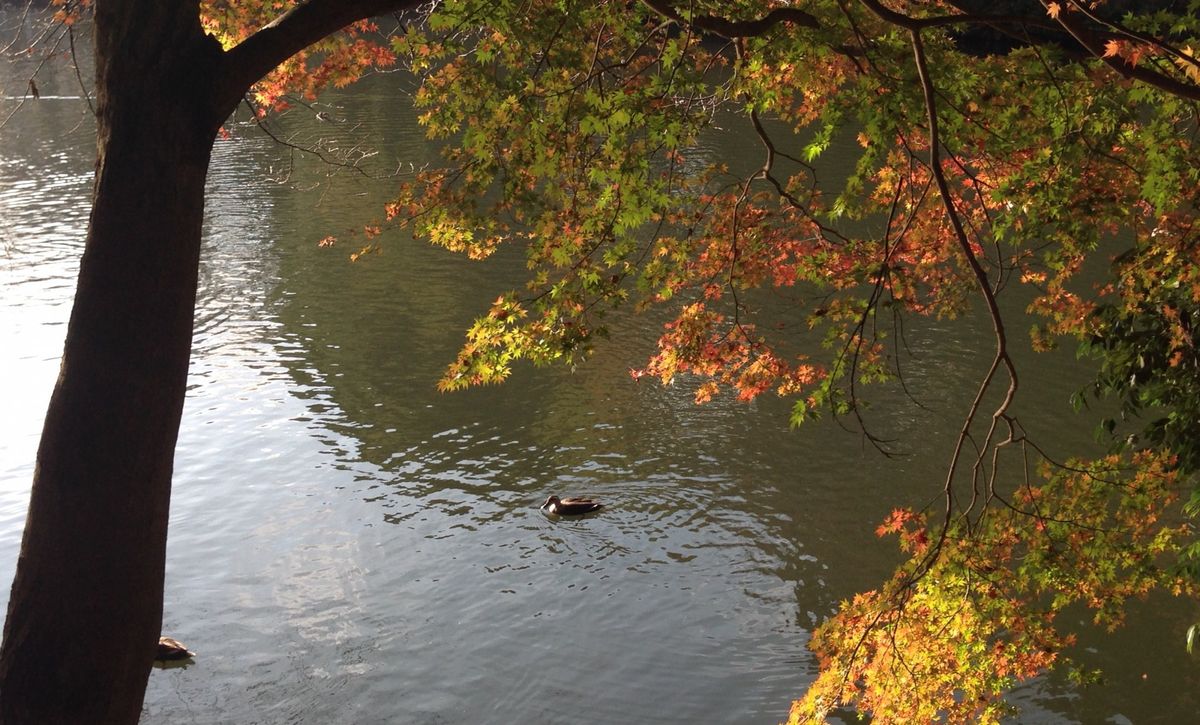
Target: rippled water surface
349,546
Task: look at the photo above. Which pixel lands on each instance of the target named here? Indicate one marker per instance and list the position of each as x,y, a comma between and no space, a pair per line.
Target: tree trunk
86,603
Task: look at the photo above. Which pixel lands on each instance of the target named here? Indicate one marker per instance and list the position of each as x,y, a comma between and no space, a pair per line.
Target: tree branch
727,28
1094,45
909,22
1001,357
288,34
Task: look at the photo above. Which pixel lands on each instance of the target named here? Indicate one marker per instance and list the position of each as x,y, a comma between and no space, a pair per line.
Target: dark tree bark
86,605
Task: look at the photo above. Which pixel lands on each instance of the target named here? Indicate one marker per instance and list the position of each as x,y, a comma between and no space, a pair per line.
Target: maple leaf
1189,65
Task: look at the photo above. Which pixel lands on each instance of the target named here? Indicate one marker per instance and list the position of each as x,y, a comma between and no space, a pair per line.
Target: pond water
347,545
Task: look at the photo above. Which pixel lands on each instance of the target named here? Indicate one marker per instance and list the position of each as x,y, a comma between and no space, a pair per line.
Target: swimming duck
571,506
171,649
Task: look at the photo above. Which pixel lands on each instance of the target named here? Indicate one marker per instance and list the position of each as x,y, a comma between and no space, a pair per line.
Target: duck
172,649
571,506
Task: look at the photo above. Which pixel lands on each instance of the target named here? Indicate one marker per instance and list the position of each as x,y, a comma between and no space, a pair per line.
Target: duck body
571,506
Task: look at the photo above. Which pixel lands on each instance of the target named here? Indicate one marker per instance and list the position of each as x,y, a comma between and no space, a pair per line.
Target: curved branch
1001,357
909,22
290,33
731,29
1092,42
1135,35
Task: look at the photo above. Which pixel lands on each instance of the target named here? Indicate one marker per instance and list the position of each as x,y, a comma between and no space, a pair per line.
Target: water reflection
347,545
44,192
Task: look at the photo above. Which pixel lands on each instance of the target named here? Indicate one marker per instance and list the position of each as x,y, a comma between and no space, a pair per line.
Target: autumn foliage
335,61
977,608
575,130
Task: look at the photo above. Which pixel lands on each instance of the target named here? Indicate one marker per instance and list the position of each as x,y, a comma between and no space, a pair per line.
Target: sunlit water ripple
349,546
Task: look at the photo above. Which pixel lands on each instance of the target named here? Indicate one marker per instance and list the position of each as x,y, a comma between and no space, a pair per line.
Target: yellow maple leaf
1189,65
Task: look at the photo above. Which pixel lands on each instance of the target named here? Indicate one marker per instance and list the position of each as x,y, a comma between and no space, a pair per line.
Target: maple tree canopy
1000,147
569,128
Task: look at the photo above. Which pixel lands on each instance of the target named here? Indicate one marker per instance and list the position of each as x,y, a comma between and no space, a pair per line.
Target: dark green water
349,546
